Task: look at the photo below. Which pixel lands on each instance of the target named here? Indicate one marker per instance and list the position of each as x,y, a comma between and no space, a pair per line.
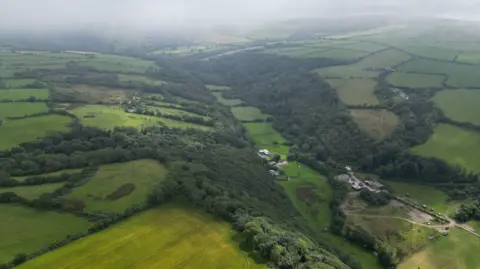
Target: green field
121,64
21,109
364,46
33,192
226,102
411,80
217,87
58,173
108,117
90,94
459,75
17,83
23,94
377,123
177,112
432,52
14,132
167,237
266,137
355,91
459,105
309,52
458,250
469,58
25,230
116,187
454,145
139,79
248,113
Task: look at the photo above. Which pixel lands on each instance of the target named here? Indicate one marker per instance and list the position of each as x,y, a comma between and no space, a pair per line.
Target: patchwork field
266,137
139,79
459,105
33,192
24,230
21,109
226,102
355,91
116,187
433,52
411,80
14,132
90,94
453,145
23,94
248,113
457,250
149,240
377,123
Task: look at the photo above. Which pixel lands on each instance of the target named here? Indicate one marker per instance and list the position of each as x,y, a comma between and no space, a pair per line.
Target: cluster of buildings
401,94
358,184
266,154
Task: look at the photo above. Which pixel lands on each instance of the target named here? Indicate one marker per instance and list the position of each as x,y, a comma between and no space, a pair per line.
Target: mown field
21,109
139,79
177,112
57,173
116,187
355,91
33,192
454,145
377,123
459,105
217,87
457,250
225,101
23,94
414,81
14,132
167,237
90,94
266,137
248,113
25,230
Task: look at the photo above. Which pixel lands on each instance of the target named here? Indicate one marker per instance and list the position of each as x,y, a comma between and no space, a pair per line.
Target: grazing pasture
355,91
459,105
377,123
167,237
469,57
58,173
21,109
128,78
432,52
116,63
266,137
33,192
457,250
453,145
176,112
225,101
306,52
25,230
364,46
14,132
414,81
23,94
217,87
90,94
15,83
248,113
116,187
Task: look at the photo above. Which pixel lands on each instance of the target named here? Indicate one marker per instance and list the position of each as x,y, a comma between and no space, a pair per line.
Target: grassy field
25,230
58,173
459,105
458,250
139,79
33,192
217,87
21,109
433,52
226,102
23,94
378,124
17,83
14,132
266,137
167,237
90,94
309,52
453,145
116,187
364,46
469,58
120,64
355,91
459,75
423,195
411,80
248,113
177,112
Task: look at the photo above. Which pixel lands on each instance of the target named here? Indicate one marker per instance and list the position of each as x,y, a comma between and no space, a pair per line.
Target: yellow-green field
217,87
140,79
91,94
23,94
177,112
412,80
355,91
378,123
458,250
25,230
459,105
14,132
21,109
33,192
225,101
116,187
248,113
58,173
18,83
454,145
167,237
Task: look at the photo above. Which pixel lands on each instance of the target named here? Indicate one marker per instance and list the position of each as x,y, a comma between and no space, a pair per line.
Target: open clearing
411,80
454,145
225,101
458,250
90,94
266,137
308,52
433,52
23,94
24,230
115,63
116,187
58,173
469,58
355,91
21,109
377,123
459,105
33,192
167,237
217,87
177,112
17,83
14,132
248,113
140,79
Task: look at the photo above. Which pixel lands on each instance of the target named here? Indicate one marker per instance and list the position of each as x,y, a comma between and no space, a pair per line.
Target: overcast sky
213,12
